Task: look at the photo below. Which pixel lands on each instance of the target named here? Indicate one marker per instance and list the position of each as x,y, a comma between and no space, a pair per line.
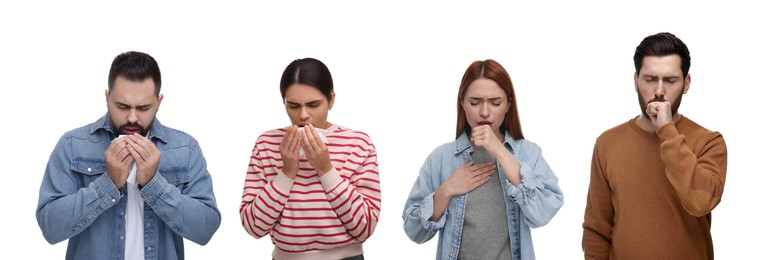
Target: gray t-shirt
485,234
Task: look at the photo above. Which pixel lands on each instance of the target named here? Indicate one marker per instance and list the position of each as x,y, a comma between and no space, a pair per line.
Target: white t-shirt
134,219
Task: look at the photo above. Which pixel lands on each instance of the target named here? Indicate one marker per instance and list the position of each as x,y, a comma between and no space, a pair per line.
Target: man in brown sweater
656,178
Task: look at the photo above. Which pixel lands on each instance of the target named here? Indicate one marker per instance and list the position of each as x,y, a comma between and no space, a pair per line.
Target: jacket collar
462,143
157,130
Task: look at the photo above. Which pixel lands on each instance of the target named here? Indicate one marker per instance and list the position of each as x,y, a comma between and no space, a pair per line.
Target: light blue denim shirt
79,202
532,204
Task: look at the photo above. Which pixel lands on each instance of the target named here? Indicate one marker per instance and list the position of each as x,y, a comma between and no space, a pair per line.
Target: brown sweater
651,195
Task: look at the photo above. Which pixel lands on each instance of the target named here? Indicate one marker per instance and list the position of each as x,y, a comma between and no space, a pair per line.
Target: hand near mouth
483,136
660,113
118,160
289,151
316,150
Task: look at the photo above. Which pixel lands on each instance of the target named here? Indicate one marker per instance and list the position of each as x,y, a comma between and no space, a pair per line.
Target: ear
159,100
333,99
635,76
106,97
687,83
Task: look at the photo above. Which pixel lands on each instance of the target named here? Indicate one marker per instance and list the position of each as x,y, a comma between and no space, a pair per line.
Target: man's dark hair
662,44
135,66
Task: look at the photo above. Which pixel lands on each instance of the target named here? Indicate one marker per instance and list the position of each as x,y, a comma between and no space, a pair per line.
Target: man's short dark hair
135,66
662,44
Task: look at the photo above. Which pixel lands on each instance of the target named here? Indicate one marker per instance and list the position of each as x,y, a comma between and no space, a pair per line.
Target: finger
292,139
145,148
115,146
284,142
287,137
653,108
482,166
305,141
480,181
120,151
314,139
484,174
476,132
138,148
135,154
294,142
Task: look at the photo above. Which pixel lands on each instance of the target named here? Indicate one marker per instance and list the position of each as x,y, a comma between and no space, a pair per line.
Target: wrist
444,192
325,169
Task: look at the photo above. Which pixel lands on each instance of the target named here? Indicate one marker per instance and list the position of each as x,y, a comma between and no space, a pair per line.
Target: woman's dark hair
307,71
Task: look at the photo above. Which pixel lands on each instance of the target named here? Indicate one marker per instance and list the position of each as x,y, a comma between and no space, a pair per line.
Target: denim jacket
79,202
531,204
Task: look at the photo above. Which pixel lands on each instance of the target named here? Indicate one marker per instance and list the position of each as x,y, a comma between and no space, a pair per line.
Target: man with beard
656,178
126,186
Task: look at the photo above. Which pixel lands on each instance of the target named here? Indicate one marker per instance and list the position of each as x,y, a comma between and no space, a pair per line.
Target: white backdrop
397,67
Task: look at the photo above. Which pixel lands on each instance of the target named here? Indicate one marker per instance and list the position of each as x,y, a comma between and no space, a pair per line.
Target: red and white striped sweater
308,216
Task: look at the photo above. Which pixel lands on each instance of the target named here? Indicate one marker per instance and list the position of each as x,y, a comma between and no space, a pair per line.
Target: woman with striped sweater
312,186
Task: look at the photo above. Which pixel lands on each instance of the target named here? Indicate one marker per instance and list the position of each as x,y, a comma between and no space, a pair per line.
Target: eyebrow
491,99
656,77
299,103
137,106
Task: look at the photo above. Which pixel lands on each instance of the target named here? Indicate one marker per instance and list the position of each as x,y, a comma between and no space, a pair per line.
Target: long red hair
489,69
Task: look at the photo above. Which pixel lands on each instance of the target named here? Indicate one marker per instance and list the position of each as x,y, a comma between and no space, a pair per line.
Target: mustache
131,125
658,99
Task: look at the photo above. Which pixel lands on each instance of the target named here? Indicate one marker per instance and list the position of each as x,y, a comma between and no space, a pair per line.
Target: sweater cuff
330,180
667,132
282,183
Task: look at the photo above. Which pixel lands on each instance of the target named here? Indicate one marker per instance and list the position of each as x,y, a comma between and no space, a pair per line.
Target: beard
133,126
142,131
644,104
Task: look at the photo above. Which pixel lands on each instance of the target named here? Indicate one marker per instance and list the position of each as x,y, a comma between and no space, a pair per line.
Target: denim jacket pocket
176,176
88,169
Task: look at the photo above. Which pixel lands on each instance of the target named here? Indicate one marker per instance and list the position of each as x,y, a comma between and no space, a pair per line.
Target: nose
485,110
133,117
660,90
303,115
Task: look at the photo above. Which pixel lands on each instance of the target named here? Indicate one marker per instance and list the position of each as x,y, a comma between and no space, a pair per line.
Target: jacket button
89,169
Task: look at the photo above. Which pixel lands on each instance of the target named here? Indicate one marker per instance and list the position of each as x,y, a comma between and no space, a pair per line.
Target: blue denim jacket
79,202
532,204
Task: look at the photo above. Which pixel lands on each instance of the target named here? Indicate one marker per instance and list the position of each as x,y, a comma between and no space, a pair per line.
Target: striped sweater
309,215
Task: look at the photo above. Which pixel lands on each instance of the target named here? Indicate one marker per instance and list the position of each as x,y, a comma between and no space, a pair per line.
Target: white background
397,67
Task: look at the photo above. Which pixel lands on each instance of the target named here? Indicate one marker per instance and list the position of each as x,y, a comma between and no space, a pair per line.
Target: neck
499,135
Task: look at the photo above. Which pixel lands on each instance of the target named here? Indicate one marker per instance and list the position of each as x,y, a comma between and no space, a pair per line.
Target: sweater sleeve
598,215
696,171
263,199
357,200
